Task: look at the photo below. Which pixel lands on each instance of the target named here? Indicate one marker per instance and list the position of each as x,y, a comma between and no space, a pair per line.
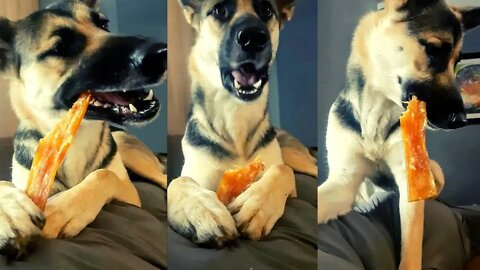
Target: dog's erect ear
90,3
413,6
7,35
190,8
470,17
395,5
286,8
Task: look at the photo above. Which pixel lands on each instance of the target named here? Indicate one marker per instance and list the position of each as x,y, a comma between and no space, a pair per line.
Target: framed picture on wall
468,80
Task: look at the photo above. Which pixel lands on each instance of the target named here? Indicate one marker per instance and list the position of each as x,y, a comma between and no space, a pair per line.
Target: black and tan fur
49,58
409,48
229,126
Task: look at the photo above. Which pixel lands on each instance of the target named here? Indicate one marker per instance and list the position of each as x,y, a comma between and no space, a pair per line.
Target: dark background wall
296,73
458,152
146,18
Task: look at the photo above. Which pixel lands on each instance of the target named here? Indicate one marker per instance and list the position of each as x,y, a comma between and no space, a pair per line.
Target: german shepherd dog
408,49
50,58
228,125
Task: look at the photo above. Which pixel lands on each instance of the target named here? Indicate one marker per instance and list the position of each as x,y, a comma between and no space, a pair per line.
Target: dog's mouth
246,82
124,107
445,118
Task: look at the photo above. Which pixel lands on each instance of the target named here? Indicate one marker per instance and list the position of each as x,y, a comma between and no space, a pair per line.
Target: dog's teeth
237,84
258,84
124,91
106,105
150,95
132,108
97,103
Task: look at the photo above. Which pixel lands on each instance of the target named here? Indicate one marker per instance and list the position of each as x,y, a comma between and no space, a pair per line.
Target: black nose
151,60
457,120
252,39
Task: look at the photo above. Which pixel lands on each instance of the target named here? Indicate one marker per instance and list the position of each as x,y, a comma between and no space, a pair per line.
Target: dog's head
414,50
237,41
55,54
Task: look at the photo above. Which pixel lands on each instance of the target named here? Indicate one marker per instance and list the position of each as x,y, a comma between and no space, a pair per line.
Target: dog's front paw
68,213
258,208
332,203
197,213
20,219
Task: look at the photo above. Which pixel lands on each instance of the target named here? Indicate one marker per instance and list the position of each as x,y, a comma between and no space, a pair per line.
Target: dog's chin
245,83
431,126
134,107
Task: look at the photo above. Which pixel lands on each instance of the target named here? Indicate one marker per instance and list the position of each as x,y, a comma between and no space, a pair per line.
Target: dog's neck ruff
229,121
377,116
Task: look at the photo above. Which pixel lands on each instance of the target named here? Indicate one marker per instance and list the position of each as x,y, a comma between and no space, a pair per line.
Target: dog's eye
59,49
100,21
70,43
265,10
438,55
104,24
219,12
436,51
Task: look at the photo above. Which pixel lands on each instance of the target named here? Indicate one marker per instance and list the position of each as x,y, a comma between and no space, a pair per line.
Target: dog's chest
82,156
379,128
239,127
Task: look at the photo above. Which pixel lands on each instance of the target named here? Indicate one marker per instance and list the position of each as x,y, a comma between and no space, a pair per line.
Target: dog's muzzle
445,108
119,76
245,56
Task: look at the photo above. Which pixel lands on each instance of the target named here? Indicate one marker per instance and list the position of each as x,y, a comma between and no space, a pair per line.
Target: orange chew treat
421,184
234,182
51,151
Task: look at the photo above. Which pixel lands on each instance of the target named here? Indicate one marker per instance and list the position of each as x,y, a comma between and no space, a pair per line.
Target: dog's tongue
119,98
245,78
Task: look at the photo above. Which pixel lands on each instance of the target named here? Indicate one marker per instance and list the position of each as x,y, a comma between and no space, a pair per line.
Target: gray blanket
121,237
369,238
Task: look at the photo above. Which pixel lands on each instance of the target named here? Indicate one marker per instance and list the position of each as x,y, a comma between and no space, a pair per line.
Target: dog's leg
337,194
296,155
196,212
194,209
411,213
438,175
258,208
69,212
412,219
19,216
300,161
348,168
137,157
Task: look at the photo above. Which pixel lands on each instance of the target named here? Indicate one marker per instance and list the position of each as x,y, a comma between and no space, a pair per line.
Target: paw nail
38,221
